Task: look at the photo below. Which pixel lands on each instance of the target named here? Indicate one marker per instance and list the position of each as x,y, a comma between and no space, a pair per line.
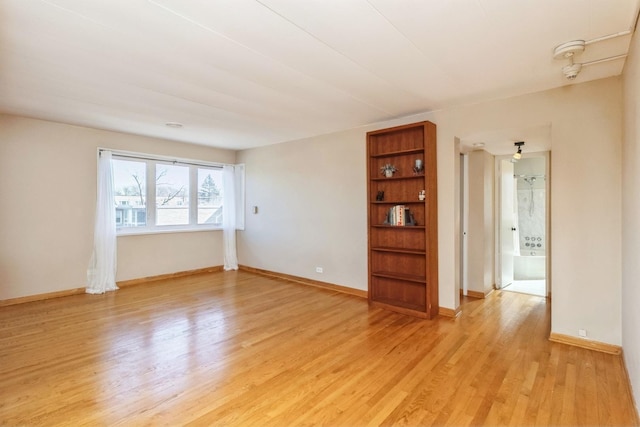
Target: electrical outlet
319,270
582,333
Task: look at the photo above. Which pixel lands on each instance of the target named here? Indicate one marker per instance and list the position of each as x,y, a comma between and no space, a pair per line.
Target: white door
507,226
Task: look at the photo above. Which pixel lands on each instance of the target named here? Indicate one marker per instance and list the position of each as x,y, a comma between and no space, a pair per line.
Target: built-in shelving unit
403,259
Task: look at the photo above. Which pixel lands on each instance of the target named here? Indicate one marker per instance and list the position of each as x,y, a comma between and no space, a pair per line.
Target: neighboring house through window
155,195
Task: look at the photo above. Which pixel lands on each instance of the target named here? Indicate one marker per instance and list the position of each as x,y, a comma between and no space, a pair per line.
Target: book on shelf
399,216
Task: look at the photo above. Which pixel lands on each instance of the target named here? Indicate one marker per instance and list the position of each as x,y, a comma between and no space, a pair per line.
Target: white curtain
101,275
229,217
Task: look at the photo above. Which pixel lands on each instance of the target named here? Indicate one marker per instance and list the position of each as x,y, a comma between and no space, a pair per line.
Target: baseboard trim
585,343
305,281
121,284
41,297
132,282
449,312
632,397
475,294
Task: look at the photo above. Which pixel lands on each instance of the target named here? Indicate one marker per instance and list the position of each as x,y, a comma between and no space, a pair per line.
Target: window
154,195
172,195
129,181
209,198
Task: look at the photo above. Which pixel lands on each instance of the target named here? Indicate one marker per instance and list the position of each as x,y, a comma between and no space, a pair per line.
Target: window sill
140,231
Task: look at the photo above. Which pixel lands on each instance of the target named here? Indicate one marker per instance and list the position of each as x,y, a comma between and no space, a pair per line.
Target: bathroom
530,237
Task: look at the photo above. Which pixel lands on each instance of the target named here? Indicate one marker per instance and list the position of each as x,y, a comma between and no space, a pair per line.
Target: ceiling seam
391,84
411,42
80,15
275,89
198,24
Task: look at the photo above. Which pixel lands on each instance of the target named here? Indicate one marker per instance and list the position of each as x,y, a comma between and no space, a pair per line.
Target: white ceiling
245,73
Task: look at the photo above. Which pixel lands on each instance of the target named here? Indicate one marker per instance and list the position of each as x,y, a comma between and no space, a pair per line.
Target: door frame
498,274
464,222
548,207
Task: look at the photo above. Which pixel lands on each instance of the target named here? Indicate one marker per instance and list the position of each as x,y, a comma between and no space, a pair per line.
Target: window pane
209,196
129,178
172,195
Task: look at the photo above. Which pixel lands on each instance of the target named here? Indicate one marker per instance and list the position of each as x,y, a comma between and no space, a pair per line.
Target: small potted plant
388,170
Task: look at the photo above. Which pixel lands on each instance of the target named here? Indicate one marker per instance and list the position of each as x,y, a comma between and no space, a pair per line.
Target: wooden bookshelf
403,260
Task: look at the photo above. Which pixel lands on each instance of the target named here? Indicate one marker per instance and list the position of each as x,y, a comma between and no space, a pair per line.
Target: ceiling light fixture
173,125
571,71
568,51
518,154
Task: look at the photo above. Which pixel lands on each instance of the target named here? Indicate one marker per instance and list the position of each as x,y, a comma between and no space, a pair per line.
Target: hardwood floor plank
235,348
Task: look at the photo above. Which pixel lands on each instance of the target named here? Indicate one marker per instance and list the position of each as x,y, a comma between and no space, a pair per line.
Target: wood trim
123,283
475,294
585,343
40,297
132,282
628,382
305,281
399,309
448,312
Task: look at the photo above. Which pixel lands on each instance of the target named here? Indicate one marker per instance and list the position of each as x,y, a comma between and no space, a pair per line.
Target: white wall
480,233
585,122
489,222
321,216
312,212
48,192
631,218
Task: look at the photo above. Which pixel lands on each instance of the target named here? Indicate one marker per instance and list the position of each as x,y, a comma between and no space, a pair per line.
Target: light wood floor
239,349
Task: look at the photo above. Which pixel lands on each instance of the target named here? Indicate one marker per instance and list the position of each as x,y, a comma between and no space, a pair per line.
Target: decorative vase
388,173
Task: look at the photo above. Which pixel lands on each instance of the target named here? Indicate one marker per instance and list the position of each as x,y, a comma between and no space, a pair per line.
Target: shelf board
398,178
398,202
400,276
400,227
399,153
399,250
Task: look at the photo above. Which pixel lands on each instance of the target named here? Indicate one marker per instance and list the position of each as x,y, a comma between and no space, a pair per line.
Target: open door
507,226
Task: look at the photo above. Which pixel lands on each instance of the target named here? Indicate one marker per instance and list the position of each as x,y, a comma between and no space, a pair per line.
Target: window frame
151,163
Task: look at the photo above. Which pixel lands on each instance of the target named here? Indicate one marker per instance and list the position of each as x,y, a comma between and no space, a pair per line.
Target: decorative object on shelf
399,215
380,196
421,195
419,167
388,170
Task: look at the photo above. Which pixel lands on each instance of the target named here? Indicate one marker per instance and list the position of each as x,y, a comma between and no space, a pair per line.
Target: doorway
523,224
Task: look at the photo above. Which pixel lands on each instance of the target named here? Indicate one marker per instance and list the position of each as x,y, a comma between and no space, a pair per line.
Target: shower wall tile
531,219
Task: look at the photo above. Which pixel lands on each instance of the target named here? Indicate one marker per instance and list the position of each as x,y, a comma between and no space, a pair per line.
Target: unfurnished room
339,213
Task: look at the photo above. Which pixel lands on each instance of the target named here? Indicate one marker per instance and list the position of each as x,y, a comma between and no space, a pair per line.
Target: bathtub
530,265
